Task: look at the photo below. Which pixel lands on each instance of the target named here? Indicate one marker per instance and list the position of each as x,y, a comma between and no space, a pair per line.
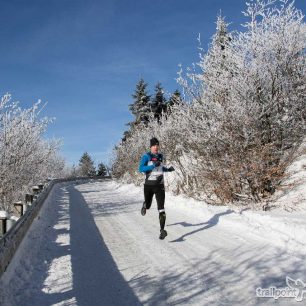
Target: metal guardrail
11,239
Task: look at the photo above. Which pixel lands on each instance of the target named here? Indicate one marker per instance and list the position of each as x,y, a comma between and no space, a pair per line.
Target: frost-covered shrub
245,111
249,98
25,157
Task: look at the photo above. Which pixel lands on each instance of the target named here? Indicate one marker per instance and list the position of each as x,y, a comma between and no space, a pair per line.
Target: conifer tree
102,170
159,101
175,99
140,108
218,65
86,165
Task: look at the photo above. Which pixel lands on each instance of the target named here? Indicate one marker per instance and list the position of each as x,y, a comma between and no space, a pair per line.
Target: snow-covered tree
140,108
25,157
158,102
102,170
217,64
248,106
245,111
86,165
175,99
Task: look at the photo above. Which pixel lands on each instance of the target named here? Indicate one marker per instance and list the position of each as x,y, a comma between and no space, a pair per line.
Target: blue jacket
154,175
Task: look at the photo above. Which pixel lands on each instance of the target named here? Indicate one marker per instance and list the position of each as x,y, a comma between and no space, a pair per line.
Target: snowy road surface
90,246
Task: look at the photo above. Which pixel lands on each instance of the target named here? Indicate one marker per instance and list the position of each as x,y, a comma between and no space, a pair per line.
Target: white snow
292,195
91,246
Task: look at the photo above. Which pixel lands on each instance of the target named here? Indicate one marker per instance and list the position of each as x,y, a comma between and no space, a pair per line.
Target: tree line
146,107
87,167
242,118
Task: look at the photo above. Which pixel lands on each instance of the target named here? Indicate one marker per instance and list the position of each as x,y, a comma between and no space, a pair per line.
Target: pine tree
102,170
159,101
222,37
86,165
175,99
217,65
140,108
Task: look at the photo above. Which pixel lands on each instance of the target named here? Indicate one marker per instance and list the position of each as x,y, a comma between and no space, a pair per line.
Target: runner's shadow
210,223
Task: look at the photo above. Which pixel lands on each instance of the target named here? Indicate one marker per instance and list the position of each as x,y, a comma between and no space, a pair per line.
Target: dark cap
154,142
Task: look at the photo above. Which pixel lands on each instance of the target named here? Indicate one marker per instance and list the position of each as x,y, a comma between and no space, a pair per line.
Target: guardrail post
29,198
18,208
35,191
28,201
10,222
3,219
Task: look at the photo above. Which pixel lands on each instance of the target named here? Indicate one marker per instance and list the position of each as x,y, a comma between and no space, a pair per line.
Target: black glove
157,164
171,169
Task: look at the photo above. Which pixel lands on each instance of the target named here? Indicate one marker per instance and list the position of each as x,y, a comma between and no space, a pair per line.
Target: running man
151,164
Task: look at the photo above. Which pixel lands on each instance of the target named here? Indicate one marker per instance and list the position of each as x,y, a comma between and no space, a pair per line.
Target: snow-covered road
90,246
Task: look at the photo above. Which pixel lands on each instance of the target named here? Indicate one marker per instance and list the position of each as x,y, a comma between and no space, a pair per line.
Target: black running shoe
163,234
143,209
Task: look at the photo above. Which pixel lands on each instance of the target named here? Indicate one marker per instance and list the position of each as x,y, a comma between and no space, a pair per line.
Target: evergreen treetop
159,101
140,108
86,165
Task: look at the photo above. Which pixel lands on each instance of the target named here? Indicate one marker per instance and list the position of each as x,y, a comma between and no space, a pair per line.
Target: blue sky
84,57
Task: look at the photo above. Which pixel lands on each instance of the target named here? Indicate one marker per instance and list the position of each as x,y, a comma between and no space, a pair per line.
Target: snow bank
292,194
283,228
